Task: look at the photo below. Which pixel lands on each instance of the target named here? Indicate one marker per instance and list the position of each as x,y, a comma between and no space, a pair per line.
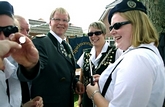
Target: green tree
156,12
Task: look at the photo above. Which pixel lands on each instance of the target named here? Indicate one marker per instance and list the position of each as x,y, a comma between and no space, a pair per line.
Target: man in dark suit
56,81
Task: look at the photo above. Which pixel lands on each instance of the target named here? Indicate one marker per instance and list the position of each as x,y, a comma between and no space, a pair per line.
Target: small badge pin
131,4
22,40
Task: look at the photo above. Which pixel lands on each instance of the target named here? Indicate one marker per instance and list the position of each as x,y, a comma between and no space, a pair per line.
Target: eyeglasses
58,20
7,30
97,33
117,26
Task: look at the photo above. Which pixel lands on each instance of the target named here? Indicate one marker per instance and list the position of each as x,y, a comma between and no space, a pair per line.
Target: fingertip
20,46
11,36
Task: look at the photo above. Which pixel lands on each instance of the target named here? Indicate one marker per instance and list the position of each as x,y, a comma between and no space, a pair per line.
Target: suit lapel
57,44
72,58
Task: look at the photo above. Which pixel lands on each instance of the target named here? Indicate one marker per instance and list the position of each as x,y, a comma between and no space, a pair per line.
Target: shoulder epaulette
40,36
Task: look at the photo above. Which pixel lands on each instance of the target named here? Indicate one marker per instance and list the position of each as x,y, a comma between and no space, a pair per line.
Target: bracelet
96,91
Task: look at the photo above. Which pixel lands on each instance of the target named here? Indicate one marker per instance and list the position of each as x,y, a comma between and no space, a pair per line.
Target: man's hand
35,102
80,89
28,55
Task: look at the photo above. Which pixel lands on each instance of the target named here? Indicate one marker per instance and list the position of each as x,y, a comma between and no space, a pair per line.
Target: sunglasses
97,33
7,30
117,26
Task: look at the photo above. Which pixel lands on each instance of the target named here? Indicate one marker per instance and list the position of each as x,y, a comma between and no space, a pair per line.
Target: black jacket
161,46
56,79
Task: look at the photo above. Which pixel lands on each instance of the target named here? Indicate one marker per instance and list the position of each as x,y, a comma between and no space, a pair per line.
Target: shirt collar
104,49
57,37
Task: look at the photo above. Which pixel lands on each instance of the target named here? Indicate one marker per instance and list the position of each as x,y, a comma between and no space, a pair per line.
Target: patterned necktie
67,51
63,50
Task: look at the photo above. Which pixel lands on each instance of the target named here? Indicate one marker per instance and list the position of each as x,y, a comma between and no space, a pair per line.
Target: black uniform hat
6,8
127,5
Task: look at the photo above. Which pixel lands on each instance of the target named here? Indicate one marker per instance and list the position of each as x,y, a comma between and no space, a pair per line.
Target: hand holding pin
22,40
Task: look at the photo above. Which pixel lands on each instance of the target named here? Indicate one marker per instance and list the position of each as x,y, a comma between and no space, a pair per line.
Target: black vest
107,58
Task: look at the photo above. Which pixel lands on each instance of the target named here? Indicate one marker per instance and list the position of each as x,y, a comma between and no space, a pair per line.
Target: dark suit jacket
161,46
57,74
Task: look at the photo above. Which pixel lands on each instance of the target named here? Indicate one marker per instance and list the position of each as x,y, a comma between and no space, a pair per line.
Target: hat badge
131,4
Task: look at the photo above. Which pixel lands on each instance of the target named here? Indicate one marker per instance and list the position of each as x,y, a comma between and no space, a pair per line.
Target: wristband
96,91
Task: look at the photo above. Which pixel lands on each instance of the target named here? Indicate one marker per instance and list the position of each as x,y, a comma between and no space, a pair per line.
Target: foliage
156,12
75,100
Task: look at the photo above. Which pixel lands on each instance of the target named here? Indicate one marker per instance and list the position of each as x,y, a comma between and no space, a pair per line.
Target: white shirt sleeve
128,83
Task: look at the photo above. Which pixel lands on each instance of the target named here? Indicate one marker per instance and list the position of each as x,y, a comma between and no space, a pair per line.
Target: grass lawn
75,100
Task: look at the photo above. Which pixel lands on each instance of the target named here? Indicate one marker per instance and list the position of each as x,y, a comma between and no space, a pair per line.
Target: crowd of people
41,71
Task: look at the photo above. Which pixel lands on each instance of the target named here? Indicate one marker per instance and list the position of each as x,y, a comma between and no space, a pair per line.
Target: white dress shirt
14,86
138,81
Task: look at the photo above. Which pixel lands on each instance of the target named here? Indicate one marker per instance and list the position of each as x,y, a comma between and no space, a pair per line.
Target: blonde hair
143,30
60,10
98,25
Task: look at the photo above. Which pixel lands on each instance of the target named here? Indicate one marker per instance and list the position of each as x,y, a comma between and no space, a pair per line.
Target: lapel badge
70,56
131,4
86,68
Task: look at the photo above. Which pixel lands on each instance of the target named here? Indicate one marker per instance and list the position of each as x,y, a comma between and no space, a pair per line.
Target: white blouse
138,81
95,60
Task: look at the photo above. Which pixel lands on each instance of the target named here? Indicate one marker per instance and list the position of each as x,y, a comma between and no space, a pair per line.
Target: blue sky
82,12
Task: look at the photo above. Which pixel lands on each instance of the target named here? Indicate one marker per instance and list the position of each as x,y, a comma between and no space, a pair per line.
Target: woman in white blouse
100,56
137,78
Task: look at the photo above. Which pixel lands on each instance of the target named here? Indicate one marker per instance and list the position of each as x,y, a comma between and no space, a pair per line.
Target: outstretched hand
28,55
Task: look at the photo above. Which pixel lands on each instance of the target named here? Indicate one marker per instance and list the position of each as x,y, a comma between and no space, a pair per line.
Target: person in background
24,25
101,55
24,29
137,77
56,82
11,90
